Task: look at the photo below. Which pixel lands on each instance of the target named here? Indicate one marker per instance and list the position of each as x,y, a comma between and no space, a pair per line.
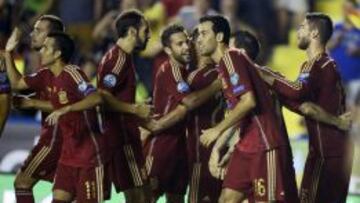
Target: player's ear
167,50
132,31
219,37
57,54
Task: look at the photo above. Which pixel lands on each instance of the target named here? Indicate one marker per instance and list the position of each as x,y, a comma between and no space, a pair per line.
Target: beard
140,45
182,58
303,44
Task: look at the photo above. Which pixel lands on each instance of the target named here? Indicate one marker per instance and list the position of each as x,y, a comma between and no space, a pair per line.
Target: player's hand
209,136
215,169
267,77
345,121
143,110
14,40
144,134
54,117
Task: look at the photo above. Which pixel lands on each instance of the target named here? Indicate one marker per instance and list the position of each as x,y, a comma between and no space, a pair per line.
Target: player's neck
125,45
219,52
176,62
57,67
314,50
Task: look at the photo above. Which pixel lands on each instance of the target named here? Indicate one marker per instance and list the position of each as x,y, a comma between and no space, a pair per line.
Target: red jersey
82,142
169,89
208,114
41,83
116,74
319,82
4,83
260,129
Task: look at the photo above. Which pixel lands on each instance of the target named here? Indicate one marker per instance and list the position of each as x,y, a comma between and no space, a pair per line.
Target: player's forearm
243,107
88,102
169,119
13,74
4,110
317,113
42,105
197,98
116,105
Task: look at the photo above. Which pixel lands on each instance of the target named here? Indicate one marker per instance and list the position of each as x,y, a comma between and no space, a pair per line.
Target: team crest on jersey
63,97
234,79
82,86
182,87
110,80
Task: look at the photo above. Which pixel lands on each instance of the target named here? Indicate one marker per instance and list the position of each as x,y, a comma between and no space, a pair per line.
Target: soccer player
257,166
42,161
4,95
329,162
80,173
116,80
166,160
203,186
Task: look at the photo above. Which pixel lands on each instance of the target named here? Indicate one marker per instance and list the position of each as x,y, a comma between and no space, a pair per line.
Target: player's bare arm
245,105
88,102
140,110
314,111
16,79
23,102
170,119
195,99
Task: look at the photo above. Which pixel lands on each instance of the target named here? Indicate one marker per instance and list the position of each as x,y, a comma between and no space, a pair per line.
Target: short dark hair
321,22
168,31
65,44
127,19
55,23
246,40
220,24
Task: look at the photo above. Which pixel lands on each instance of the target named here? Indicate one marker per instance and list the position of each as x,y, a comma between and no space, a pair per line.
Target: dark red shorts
326,179
85,184
42,162
127,168
263,176
166,164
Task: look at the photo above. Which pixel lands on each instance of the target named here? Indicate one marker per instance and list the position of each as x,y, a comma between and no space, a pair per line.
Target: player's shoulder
113,55
326,61
74,73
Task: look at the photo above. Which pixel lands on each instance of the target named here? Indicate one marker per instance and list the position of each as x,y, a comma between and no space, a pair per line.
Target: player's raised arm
16,79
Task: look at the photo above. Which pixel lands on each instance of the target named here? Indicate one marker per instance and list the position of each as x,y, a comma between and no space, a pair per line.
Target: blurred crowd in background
272,21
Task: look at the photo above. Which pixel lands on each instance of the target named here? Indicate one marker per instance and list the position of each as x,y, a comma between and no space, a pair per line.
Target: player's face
180,47
303,35
39,33
206,39
142,37
48,53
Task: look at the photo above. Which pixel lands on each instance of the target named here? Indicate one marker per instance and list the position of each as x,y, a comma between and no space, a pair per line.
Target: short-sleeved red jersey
116,74
41,83
319,82
82,140
260,129
205,116
169,89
